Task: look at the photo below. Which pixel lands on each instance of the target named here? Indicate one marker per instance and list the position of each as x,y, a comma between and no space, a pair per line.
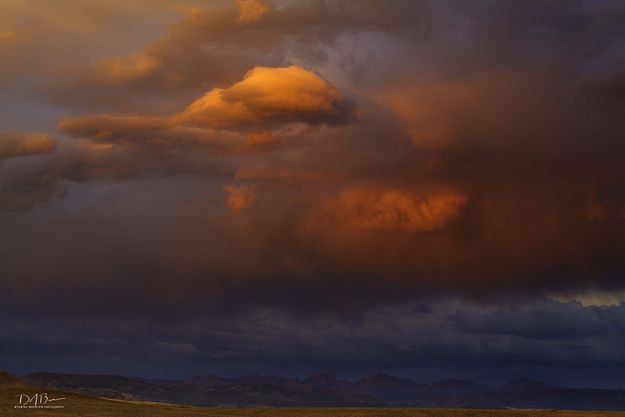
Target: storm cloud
321,173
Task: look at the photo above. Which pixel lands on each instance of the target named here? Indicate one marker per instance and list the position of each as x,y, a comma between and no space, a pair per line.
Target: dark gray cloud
27,182
403,339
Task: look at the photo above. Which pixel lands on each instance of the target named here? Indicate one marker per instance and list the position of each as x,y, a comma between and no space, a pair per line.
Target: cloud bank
327,159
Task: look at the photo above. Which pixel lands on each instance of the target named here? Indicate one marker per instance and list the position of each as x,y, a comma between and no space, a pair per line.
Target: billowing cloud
392,210
14,143
36,38
266,99
219,42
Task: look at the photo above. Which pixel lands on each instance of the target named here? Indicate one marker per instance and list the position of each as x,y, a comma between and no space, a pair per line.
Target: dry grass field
79,406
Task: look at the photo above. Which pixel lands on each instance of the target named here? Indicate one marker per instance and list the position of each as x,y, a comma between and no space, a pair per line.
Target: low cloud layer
561,343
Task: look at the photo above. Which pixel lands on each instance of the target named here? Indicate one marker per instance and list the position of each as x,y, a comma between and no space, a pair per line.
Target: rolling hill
324,390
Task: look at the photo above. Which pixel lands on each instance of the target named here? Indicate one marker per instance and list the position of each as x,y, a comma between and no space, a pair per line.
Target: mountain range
327,390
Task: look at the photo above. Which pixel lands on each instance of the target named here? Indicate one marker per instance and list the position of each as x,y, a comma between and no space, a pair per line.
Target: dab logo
38,400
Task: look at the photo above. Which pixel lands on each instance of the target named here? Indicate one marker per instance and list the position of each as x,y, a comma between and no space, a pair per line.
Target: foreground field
79,406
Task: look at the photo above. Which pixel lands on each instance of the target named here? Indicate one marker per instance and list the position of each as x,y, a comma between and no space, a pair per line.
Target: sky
430,189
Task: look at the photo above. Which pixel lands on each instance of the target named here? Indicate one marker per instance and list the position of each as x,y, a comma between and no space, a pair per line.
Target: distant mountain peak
453,382
258,378
384,379
381,382
322,379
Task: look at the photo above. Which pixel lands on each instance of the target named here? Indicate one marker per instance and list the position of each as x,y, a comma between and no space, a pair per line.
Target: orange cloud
260,138
393,210
240,197
251,10
106,128
8,36
218,42
267,98
14,143
121,69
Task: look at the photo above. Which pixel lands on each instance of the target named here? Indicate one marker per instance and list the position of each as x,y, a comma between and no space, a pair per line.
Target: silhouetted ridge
327,390
323,379
208,380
